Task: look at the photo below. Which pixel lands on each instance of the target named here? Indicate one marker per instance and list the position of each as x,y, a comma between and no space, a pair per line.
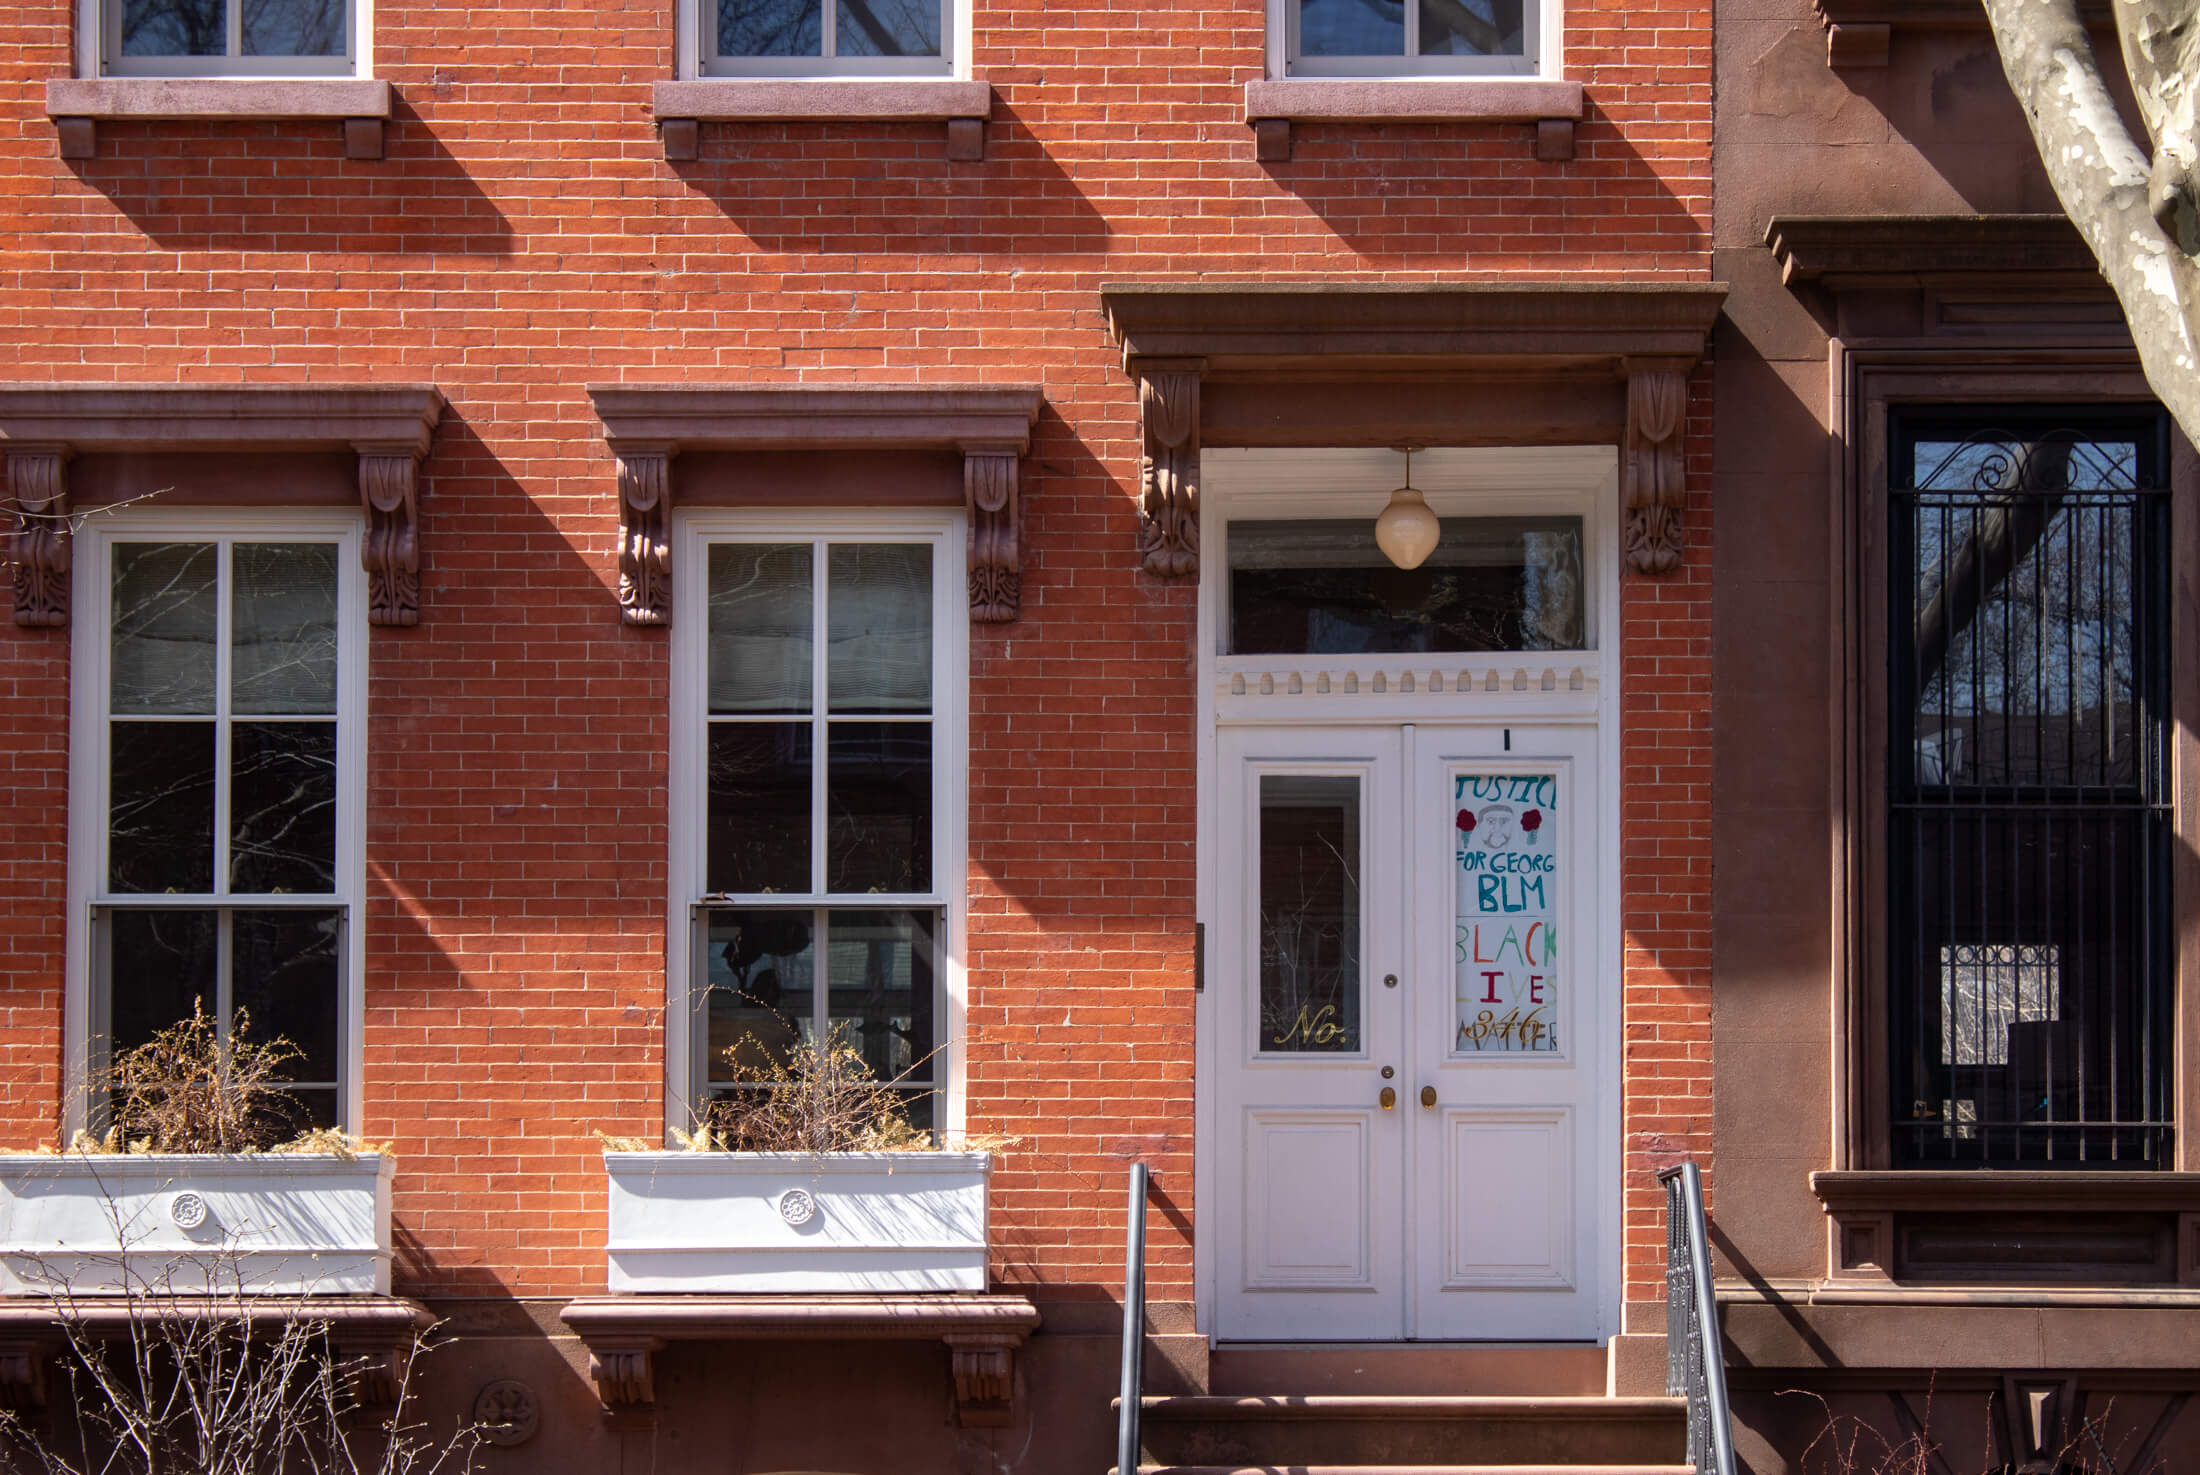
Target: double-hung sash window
245,38
219,787
2030,972
824,702
1333,38
793,38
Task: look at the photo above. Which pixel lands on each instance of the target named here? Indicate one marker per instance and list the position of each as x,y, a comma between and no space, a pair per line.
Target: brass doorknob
1389,1098
1428,1096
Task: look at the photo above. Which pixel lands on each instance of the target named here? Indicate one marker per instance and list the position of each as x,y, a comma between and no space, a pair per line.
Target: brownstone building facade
1952,907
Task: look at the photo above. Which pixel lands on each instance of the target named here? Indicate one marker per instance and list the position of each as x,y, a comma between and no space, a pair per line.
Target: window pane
880,988
759,1000
1505,910
888,28
286,979
160,806
158,963
1325,588
759,620
283,629
1352,27
164,619
294,27
758,824
282,807
1309,914
878,834
2026,646
174,28
1472,28
878,601
771,27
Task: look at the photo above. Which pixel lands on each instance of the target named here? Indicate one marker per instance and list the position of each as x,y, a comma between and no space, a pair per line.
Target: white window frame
687,788
88,760
698,50
99,50
1541,41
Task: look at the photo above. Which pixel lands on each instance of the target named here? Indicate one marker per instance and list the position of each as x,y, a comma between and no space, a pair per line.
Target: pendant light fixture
1407,531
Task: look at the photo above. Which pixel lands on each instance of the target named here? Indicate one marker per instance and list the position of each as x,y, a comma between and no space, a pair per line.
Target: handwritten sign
1506,876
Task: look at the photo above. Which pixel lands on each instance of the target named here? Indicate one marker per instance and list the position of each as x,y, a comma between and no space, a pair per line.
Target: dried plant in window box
202,1173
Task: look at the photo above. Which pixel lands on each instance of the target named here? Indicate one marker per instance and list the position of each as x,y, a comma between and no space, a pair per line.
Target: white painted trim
692,530
1458,481
99,51
1544,50
88,758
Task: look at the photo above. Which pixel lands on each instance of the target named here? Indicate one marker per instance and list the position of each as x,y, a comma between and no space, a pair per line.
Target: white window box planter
797,1222
268,1224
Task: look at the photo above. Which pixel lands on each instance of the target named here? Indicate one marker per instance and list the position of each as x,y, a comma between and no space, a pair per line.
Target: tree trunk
2119,200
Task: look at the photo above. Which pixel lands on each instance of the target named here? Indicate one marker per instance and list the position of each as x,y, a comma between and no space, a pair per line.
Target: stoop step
1382,1435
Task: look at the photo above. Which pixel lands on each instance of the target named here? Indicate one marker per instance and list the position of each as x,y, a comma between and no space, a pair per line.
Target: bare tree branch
2108,186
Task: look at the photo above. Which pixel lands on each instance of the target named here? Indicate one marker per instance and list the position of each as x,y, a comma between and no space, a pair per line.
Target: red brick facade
525,237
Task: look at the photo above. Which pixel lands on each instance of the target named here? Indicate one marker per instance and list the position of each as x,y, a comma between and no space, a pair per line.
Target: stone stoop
1409,1434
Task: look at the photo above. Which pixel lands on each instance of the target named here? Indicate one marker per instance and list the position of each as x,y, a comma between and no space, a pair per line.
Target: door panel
1310,1188
1506,869
1308,1238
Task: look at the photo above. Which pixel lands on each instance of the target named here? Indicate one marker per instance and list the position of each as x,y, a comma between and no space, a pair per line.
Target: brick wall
526,237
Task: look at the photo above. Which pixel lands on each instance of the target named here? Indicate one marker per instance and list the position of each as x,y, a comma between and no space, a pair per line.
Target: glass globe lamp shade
1407,531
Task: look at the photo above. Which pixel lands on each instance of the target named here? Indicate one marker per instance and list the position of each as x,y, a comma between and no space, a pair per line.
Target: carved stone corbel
990,494
645,533
38,535
389,491
1653,476
624,1376
1168,499
375,1372
23,1374
985,1376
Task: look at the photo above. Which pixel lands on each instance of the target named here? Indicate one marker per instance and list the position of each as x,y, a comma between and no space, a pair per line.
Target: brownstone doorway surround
1530,363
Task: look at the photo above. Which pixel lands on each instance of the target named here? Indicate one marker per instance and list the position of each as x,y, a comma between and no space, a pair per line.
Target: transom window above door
1333,38
1323,587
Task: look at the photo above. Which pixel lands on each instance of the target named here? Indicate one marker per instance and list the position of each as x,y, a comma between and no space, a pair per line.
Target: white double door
1413,1005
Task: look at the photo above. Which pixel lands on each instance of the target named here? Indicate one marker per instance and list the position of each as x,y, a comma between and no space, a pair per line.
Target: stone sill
1271,107
680,107
77,105
984,1331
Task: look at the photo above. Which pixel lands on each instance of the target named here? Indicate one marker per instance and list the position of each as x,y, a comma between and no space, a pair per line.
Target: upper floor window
813,37
222,788
2029,835
247,38
824,739
1335,38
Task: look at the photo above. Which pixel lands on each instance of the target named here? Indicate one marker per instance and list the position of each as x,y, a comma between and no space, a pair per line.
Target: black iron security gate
2029,892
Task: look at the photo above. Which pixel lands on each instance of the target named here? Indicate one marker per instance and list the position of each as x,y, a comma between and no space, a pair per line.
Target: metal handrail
1695,1359
1134,1326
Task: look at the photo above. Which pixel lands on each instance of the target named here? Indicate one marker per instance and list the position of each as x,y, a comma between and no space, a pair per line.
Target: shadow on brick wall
1412,192
287,187
888,189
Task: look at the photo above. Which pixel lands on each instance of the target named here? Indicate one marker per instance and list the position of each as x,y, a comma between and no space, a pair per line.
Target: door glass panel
1309,914
1506,874
1325,588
